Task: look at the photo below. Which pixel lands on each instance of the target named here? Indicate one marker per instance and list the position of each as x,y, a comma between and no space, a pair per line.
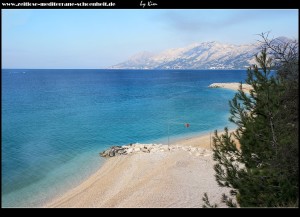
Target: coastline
174,178
232,86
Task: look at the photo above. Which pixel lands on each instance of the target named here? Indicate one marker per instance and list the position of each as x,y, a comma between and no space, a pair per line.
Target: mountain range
205,55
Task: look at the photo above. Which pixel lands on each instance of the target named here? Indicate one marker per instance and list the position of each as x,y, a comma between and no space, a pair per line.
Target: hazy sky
101,38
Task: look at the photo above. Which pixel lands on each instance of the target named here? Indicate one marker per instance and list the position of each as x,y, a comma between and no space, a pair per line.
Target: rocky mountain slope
206,55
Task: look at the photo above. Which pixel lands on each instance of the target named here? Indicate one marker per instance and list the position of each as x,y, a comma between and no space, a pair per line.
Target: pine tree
264,171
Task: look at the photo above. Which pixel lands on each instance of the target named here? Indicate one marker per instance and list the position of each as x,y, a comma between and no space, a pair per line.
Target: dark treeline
259,161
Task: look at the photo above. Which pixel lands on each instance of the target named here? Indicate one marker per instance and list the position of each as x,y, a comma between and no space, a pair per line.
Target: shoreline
135,179
176,178
232,86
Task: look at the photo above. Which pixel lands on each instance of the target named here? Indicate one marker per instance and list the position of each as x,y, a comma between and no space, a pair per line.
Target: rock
129,150
112,153
154,149
164,147
145,150
171,148
121,151
136,149
138,145
103,154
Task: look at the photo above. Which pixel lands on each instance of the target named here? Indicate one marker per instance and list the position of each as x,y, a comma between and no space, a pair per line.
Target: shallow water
55,122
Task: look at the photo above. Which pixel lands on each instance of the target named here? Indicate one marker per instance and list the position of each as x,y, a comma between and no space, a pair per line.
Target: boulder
145,150
164,147
171,148
129,150
154,149
103,154
121,151
112,153
136,149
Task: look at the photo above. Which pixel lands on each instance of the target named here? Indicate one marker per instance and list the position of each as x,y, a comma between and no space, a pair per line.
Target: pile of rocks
151,148
113,151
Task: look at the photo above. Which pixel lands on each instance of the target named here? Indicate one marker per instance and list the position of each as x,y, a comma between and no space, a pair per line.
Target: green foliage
207,203
228,201
264,171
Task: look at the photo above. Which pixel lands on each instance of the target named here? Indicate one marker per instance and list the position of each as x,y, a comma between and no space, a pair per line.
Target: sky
95,39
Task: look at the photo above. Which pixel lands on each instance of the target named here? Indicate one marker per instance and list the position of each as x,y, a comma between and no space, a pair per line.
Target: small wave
17,72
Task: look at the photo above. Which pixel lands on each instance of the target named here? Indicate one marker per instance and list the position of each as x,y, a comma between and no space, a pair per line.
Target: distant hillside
206,55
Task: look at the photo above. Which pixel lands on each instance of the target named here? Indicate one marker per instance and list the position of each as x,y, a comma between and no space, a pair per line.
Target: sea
56,121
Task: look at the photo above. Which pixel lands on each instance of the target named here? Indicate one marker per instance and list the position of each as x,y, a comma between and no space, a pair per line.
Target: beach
175,178
61,158
233,86
176,175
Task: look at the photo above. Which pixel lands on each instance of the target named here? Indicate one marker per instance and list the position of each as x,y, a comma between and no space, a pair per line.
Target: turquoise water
55,122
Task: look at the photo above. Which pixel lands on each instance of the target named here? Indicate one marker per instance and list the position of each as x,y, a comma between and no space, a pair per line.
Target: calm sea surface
55,122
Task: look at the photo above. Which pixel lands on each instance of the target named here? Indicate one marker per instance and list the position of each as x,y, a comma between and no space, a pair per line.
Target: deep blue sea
55,122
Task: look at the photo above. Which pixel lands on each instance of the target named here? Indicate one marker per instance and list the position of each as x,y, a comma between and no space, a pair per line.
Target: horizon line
110,69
